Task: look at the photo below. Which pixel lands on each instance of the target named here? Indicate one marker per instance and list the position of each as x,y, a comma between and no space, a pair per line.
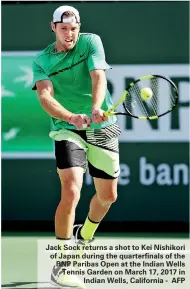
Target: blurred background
139,38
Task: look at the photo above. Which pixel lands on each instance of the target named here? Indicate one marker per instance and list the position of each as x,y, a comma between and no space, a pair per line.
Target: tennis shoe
77,235
61,279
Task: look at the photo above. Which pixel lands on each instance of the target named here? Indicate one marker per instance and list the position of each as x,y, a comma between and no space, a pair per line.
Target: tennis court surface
19,255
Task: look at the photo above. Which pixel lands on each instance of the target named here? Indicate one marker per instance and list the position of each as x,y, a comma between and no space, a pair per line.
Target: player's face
67,34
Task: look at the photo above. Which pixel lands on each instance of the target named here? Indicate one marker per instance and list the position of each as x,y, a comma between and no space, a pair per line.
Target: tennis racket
147,98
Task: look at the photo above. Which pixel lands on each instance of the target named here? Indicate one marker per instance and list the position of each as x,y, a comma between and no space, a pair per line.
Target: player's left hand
98,115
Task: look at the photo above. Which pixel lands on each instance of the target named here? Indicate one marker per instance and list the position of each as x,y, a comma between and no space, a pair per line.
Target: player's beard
63,45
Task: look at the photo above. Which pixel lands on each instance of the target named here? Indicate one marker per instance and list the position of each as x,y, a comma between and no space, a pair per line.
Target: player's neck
60,48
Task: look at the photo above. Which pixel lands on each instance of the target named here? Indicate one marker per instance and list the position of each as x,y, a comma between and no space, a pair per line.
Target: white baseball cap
58,15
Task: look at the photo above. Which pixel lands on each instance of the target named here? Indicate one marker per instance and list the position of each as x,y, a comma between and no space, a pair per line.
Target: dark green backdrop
31,188
132,33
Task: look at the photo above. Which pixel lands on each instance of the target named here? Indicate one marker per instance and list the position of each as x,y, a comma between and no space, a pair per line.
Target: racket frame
124,95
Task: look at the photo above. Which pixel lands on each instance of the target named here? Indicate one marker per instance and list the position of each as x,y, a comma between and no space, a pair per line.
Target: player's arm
49,103
55,109
99,85
45,91
97,66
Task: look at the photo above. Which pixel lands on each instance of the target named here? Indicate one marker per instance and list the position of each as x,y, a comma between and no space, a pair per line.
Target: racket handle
109,113
106,113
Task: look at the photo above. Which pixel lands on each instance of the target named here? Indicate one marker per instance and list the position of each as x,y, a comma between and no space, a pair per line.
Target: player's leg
71,184
71,162
103,158
105,196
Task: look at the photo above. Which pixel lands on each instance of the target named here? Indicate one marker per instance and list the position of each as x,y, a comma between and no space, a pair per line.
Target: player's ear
53,27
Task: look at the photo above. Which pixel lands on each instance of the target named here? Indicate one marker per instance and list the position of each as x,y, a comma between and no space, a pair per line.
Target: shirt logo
81,55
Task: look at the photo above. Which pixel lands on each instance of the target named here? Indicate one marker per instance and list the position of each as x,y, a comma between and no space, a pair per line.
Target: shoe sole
64,287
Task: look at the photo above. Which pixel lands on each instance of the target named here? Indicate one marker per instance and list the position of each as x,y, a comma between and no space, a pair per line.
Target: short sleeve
96,57
38,74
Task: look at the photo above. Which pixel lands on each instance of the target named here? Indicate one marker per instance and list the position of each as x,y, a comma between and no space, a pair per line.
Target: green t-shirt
69,74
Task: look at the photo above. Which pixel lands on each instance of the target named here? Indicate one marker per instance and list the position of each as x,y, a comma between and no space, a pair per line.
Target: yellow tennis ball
146,93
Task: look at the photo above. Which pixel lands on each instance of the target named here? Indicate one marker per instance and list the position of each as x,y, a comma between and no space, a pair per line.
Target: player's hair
67,13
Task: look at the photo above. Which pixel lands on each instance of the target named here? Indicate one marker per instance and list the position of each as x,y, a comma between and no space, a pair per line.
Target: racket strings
139,107
141,102
163,98
132,101
154,100
152,105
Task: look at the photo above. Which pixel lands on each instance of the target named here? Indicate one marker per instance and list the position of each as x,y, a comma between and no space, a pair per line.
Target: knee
107,198
70,195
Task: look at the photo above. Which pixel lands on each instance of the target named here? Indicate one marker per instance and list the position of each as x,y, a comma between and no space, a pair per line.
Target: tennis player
70,79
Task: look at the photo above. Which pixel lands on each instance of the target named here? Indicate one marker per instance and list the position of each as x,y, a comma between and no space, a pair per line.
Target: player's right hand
79,120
